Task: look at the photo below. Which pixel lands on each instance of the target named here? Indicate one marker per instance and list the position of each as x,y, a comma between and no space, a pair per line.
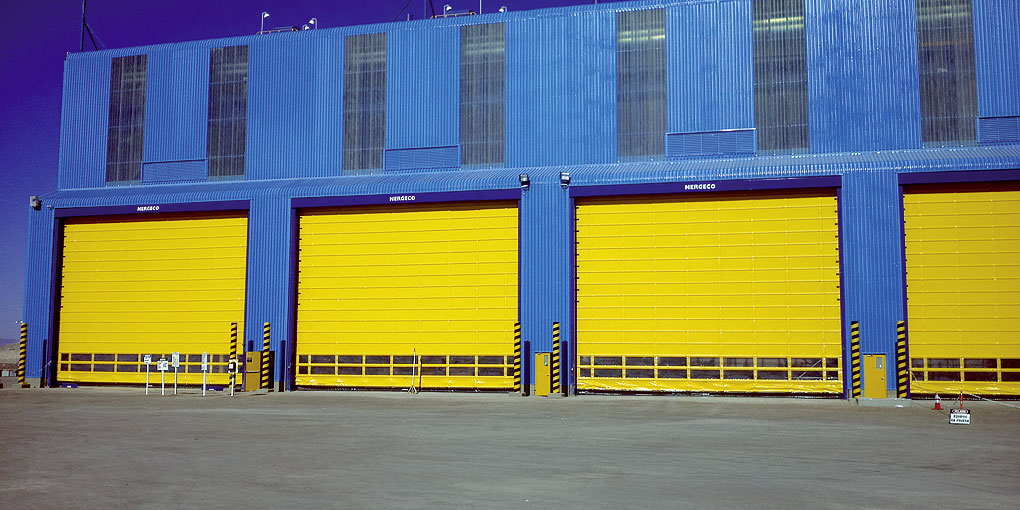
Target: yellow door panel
154,285
718,292
378,285
963,290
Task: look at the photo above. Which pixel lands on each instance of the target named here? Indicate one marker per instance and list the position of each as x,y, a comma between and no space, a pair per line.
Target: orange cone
938,403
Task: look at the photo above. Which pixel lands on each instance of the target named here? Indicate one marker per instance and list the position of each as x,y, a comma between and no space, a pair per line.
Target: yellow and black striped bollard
233,352
555,388
902,374
22,353
517,357
855,358
264,369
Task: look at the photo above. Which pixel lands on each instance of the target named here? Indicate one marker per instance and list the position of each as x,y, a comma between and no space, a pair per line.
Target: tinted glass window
780,76
641,83
482,94
364,102
228,111
125,131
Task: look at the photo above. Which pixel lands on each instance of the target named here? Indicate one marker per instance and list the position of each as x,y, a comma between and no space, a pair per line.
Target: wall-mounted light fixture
34,202
262,22
564,179
502,9
525,181
447,9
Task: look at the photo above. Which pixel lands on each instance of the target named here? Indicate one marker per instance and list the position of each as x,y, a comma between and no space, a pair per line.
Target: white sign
959,416
205,361
176,357
147,359
163,365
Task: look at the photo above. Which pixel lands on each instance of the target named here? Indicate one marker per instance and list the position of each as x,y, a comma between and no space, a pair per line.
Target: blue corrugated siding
546,259
422,80
267,296
83,123
872,258
175,171
730,142
862,75
177,105
998,130
421,158
38,287
328,94
711,82
280,112
561,90
997,55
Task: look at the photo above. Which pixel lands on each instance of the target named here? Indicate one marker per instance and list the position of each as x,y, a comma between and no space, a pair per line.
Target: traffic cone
938,403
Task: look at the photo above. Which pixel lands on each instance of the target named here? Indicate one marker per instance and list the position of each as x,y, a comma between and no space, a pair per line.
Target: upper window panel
483,94
641,83
364,102
780,76
228,111
948,81
125,131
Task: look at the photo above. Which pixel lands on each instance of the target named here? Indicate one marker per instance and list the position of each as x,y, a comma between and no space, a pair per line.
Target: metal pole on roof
82,26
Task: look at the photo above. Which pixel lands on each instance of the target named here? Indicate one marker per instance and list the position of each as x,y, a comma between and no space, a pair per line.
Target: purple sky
35,37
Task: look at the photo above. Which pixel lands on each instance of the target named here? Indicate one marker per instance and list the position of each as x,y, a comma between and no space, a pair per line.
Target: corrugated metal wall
561,110
268,296
997,51
561,95
177,105
872,265
711,84
547,256
423,77
38,287
280,113
83,122
561,86
862,75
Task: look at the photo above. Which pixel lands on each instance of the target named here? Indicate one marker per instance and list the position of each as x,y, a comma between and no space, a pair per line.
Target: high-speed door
394,296
157,284
709,292
963,291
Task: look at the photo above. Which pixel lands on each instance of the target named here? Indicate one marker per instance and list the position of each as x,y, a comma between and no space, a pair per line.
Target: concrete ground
115,448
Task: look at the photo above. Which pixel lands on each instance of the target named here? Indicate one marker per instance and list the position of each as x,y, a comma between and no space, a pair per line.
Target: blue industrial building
593,138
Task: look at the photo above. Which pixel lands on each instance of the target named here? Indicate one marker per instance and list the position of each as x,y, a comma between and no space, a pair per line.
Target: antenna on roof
85,28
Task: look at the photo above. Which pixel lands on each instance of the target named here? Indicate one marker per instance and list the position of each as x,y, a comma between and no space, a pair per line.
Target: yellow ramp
711,292
132,286
963,290
377,285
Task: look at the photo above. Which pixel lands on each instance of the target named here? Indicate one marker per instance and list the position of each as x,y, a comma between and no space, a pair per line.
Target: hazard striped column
902,374
264,369
22,353
555,389
233,351
517,357
855,358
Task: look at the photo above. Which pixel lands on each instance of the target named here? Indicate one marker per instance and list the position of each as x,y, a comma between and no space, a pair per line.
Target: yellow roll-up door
711,292
132,286
379,285
963,290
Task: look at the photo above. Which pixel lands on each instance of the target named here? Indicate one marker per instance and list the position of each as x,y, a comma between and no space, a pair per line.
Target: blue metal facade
865,127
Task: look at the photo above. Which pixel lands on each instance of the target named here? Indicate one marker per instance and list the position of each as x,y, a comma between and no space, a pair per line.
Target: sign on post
959,416
147,359
162,365
205,370
175,359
